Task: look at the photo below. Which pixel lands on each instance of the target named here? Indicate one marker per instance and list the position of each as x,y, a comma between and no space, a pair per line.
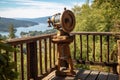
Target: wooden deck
40,54
84,75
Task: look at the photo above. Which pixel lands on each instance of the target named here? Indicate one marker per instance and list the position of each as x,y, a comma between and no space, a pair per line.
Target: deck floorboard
102,76
84,75
93,75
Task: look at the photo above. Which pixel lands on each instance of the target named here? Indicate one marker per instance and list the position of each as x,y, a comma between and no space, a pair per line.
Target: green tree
7,67
110,12
102,16
3,37
11,31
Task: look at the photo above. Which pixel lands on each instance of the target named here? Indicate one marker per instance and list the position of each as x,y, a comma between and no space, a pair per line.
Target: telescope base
65,73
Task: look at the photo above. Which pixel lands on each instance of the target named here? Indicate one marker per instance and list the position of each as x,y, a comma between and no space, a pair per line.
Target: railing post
32,70
118,68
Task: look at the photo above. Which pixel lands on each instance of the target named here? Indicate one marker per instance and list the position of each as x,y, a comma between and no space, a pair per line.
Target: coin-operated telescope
64,22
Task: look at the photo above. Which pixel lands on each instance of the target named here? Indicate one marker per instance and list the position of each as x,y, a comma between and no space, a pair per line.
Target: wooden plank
28,39
101,48
28,62
93,75
15,57
87,43
80,47
54,54
32,68
74,56
61,78
118,55
108,43
94,48
22,62
69,78
40,57
50,76
102,76
95,33
45,57
50,56
82,74
58,78
113,76
79,72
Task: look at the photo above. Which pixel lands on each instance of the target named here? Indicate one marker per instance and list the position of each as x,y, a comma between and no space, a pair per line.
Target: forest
6,22
100,16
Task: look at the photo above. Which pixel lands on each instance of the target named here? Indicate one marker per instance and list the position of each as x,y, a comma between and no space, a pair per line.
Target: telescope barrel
64,21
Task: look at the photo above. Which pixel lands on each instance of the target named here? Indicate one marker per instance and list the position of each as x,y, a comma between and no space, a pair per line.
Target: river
39,27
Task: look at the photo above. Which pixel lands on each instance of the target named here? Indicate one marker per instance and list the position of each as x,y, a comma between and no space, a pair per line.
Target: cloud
31,9
28,12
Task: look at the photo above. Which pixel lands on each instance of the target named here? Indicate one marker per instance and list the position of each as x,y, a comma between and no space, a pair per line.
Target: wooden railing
96,48
36,56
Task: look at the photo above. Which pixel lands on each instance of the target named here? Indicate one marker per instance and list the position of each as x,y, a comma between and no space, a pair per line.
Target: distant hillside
5,22
38,20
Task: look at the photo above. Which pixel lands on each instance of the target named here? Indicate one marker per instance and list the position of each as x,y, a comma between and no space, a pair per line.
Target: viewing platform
37,56
84,75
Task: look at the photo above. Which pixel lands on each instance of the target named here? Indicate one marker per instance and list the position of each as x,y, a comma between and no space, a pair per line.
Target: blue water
39,27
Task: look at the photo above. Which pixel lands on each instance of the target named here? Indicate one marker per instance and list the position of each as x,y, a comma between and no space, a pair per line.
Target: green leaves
101,16
6,47
12,31
6,65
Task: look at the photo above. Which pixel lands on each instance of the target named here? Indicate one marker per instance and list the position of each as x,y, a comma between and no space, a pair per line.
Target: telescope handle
49,22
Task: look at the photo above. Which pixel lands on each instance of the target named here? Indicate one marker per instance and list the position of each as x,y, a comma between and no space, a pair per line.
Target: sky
35,8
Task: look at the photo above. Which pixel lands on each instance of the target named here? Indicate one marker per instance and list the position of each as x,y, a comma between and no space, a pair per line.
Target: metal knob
49,22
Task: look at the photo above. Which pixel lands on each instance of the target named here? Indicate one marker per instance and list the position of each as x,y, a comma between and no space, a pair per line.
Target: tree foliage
100,16
34,33
6,65
11,31
5,22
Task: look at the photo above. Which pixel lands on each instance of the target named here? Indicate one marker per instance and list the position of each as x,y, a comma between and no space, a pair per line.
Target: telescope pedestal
64,23
65,65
